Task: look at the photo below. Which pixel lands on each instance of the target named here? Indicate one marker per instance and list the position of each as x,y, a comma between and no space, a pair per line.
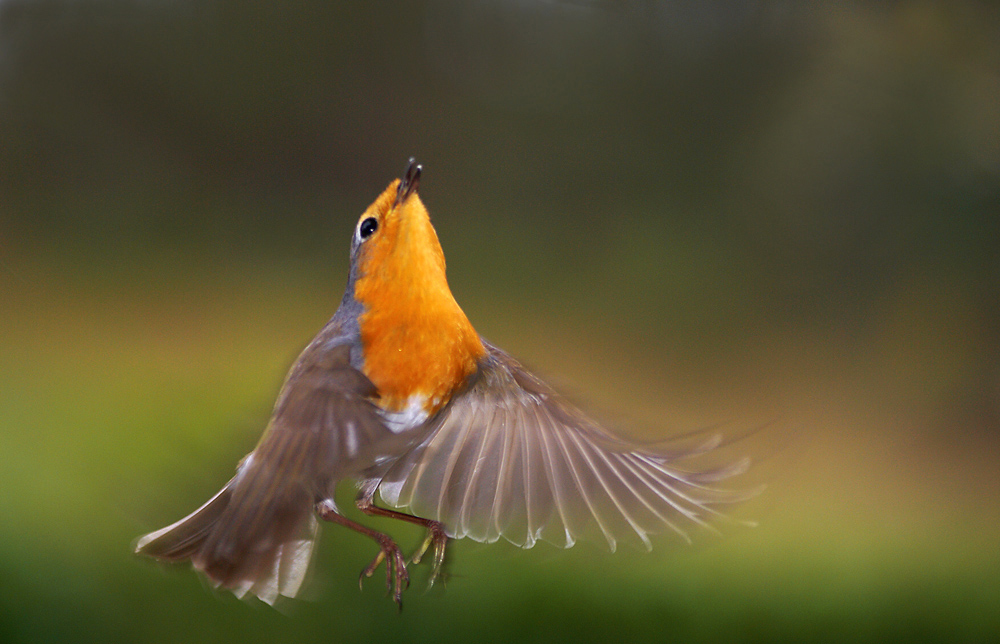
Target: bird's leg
396,576
435,530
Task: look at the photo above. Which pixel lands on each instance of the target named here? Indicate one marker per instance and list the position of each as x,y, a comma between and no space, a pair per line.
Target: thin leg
435,530
396,576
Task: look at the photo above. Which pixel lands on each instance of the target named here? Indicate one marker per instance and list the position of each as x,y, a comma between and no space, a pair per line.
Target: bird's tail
255,536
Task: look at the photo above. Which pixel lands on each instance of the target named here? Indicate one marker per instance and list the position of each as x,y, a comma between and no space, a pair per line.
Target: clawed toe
435,536
397,578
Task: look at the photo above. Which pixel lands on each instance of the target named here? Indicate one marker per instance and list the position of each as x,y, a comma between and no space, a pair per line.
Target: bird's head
395,246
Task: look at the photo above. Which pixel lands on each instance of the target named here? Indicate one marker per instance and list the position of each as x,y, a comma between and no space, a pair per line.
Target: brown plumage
399,394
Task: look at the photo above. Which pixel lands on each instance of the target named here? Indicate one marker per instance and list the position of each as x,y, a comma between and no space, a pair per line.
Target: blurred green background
682,213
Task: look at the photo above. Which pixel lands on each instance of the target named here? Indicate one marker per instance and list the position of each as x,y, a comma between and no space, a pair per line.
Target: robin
399,394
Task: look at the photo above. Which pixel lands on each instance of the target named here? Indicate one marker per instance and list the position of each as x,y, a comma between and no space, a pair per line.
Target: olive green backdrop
777,215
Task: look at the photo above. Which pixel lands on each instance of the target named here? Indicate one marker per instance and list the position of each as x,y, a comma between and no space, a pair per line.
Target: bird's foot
397,578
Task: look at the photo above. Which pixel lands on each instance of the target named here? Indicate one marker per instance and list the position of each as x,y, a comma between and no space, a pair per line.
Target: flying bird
400,395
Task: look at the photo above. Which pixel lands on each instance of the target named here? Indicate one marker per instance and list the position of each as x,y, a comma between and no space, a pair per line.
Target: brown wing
324,424
511,458
256,535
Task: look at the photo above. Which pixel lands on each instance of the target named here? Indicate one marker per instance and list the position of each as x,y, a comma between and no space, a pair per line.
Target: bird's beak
408,184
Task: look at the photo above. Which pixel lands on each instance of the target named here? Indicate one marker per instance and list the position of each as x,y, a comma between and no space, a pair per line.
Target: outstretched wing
511,458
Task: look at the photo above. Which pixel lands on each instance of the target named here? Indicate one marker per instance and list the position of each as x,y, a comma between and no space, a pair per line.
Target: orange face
418,345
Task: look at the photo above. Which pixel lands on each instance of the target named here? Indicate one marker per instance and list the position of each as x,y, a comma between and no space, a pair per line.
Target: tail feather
182,540
250,537
287,572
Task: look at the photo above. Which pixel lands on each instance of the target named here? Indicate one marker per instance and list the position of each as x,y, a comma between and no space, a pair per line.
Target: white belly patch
412,415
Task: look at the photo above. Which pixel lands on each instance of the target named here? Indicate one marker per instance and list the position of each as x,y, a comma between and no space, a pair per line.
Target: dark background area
682,213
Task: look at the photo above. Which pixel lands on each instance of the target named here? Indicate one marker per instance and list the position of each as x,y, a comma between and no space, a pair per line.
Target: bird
400,395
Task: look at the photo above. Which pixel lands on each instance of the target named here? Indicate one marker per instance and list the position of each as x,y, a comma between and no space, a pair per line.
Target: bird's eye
367,227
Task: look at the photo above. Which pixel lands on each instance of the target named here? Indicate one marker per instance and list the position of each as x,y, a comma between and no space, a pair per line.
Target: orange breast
417,341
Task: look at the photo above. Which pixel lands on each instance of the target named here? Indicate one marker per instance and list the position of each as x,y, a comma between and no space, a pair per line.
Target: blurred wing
325,424
511,458
257,534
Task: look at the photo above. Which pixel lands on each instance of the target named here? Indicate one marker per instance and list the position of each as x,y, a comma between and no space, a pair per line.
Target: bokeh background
686,214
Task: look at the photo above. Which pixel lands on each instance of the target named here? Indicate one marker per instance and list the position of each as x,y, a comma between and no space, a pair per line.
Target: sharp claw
397,578
436,537
438,560
402,578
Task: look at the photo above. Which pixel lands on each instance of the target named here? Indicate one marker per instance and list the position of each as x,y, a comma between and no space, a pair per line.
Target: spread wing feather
511,458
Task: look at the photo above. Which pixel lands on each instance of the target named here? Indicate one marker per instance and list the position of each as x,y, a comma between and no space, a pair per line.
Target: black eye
367,227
